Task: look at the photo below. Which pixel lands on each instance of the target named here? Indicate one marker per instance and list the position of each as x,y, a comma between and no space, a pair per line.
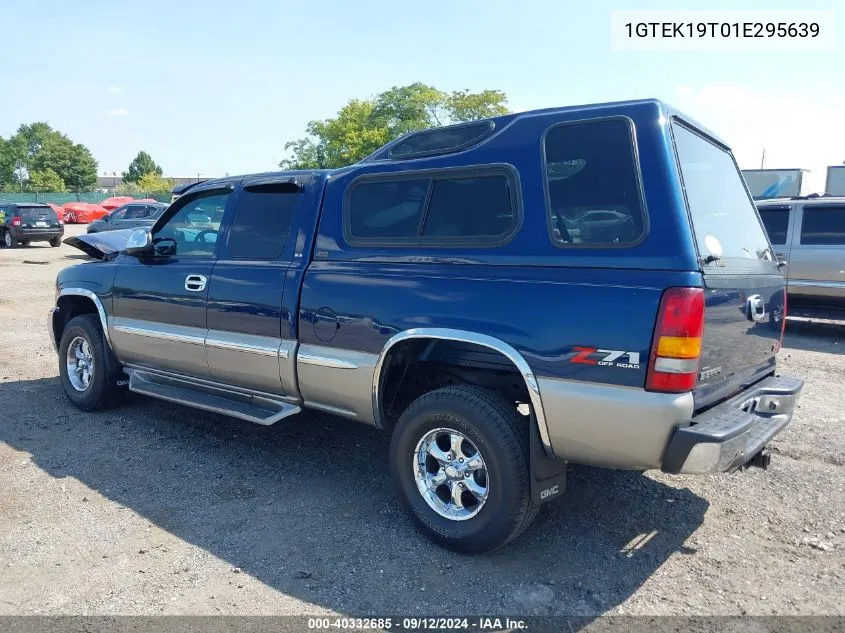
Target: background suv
809,234
22,223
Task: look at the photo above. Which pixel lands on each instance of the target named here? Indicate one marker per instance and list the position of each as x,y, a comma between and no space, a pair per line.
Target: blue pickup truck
585,284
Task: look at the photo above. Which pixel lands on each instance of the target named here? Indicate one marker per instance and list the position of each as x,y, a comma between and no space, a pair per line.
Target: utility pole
19,167
763,160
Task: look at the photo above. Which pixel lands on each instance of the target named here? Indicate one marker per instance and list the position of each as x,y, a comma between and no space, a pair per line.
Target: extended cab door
249,341
159,301
817,260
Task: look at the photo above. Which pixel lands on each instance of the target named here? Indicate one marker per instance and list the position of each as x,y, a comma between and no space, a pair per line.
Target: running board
247,407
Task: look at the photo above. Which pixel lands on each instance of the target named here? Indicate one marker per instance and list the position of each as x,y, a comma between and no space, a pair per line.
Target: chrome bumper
729,435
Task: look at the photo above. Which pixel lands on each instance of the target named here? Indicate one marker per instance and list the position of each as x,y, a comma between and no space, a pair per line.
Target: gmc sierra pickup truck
586,284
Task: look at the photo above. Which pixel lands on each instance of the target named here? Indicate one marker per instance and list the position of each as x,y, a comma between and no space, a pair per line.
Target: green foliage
7,163
362,126
128,189
463,105
140,166
41,148
153,183
47,180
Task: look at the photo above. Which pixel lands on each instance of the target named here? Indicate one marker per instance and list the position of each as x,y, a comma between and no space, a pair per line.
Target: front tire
459,457
88,370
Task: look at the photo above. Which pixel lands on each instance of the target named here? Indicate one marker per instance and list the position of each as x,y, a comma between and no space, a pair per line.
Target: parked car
808,234
82,212
424,291
110,204
25,222
129,216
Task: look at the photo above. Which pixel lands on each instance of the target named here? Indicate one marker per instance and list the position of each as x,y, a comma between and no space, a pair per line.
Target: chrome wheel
450,474
80,364
7,239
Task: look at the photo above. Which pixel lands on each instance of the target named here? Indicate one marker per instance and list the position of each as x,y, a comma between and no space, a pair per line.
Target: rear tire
56,242
473,423
87,367
8,240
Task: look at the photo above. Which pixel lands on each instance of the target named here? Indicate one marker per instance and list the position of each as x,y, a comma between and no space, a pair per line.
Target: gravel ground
153,508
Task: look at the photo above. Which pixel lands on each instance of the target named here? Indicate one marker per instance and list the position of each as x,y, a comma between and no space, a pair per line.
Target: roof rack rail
811,196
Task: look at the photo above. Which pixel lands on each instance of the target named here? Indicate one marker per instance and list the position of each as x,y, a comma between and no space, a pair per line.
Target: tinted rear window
593,184
721,210
823,225
440,209
34,214
776,221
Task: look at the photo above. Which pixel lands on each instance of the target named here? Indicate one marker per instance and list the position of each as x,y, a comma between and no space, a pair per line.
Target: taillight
676,348
16,221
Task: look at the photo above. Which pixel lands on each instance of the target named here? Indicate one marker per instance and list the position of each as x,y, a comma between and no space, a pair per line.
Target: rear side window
823,225
469,207
442,209
387,210
722,212
776,221
592,184
262,220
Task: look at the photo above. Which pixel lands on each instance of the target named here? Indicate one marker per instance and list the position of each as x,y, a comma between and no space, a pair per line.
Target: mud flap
548,476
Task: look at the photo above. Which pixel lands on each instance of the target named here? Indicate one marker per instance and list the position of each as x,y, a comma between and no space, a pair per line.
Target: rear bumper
727,436
37,235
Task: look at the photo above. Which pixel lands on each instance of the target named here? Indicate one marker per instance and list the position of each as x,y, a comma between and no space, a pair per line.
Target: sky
214,87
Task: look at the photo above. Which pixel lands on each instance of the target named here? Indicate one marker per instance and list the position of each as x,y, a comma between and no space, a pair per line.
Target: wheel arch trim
98,304
448,334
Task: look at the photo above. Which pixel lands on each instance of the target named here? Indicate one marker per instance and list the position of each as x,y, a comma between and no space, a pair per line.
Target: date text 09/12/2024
418,624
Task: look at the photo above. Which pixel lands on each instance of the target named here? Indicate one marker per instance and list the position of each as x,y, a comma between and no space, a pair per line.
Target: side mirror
140,243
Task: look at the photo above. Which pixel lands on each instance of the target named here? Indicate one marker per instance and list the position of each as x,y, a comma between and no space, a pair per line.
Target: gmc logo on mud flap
549,492
606,357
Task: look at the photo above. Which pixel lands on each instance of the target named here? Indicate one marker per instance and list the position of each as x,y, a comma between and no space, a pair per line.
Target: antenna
763,159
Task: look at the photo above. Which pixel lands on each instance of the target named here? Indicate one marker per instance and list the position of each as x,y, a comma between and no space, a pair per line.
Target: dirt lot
153,508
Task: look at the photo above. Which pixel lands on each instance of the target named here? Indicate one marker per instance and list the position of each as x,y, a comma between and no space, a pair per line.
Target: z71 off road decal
606,357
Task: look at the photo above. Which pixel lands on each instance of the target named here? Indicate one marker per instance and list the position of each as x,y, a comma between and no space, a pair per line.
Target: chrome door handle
195,283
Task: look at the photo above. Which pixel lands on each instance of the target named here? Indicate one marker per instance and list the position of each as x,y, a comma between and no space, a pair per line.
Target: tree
152,183
140,166
39,148
128,189
364,125
7,163
47,180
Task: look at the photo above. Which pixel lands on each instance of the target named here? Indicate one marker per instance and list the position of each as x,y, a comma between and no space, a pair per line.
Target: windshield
723,216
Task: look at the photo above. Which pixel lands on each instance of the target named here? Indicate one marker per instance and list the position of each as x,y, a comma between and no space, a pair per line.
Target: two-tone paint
314,326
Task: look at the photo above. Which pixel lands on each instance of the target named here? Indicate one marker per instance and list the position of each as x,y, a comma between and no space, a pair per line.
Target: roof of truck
498,124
